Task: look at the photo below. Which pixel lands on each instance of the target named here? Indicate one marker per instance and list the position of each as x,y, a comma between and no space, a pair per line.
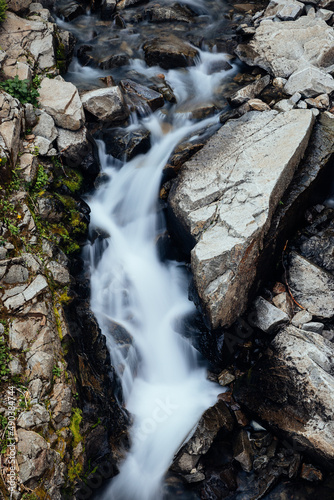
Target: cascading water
164,388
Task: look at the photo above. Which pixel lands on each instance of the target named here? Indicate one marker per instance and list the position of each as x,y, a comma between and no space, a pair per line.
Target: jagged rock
284,10
73,146
123,4
137,96
125,144
169,52
310,82
16,274
28,167
291,389
311,286
18,6
301,318
313,327
284,302
227,207
320,102
59,273
38,415
106,105
45,127
61,100
166,13
215,419
37,40
49,208
43,145
40,365
30,115
290,46
34,457
113,61
15,298
266,316
258,105
225,377
107,9
70,10
250,91
23,332
243,451
12,68
311,473
61,405
11,118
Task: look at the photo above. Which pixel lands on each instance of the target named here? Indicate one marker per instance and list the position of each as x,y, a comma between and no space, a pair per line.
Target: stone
284,302
43,145
310,473
310,82
290,46
28,167
279,82
123,4
167,13
320,102
290,11
284,105
313,327
45,127
40,365
219,204
169,52
61,405
291,390
59,273
250,91
34,458
113,61
324,14
311,286
137,96
49,208
15,366
13,68
61,100
30,115
266,316
106,105
242,451
73,146
11,124
225,377
16,274
107,9
215,419
258,105
126,144
38,415
301,318
302,105
35,388
70,10
18,6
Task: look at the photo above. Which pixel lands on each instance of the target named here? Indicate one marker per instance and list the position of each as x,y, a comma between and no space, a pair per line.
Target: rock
267,317
35,417
11,121
313,327
288,47
284,302
15,366
113,61
43,145
250,91
49,208
18,6
279,82
61,100
70,10
242,451
107,9
13,68
320,102
45,127
258,105
324,14
15,298
225,377
30,115
40,365
61,405
311,286
123,4
166,13
73,146
311,473
137,96
169,52
290,11
126,144
310,82
59,273
301,318
291,389
284,105
34,457
16,274
224,208
215,419
106,105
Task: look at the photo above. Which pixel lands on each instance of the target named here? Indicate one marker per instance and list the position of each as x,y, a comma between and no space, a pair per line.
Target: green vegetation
56,371
75,426
22,89
4,356
3,8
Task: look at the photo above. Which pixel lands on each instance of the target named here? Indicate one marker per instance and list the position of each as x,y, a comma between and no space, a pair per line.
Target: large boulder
286,47
73,146
224,199
106,104
61,100
169,52
292,390
11,120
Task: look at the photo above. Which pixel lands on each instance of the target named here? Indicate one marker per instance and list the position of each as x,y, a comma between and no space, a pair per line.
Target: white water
164,388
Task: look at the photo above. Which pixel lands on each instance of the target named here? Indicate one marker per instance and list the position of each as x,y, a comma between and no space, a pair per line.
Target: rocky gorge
249,207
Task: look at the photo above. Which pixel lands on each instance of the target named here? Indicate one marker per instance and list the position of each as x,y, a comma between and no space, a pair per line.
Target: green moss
73,180
75,426
74,471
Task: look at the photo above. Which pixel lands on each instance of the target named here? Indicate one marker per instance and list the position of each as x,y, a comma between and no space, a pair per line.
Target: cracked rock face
224,199
292,390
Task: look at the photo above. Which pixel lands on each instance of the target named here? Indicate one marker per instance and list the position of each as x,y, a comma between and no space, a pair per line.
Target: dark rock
107,9
70,11
243,451
169,52
310,473
250,91
123,4
162,13
50,208
181,154
124,144
138,97
83,54
113,61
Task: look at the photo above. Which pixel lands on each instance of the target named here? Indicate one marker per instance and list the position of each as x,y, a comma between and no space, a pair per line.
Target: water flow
164,388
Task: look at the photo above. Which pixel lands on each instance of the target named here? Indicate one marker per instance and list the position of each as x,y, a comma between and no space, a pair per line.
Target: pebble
301,318
310,473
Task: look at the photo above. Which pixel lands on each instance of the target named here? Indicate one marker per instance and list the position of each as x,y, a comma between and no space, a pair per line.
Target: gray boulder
106,104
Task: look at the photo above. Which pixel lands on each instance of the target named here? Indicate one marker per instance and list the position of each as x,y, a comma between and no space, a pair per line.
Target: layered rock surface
224,199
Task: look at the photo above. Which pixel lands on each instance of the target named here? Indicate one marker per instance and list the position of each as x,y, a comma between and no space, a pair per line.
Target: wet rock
70,10
61,100
288,47
162,13
313,327
212,207
291,389
225,377
61,405
310,82
84,54
250,91
311,286
73,145
267,317
243,451
215,419
310,473
106,105
169,52
107,9
113,61
301,318
180,155
123,4
126,144
137,96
